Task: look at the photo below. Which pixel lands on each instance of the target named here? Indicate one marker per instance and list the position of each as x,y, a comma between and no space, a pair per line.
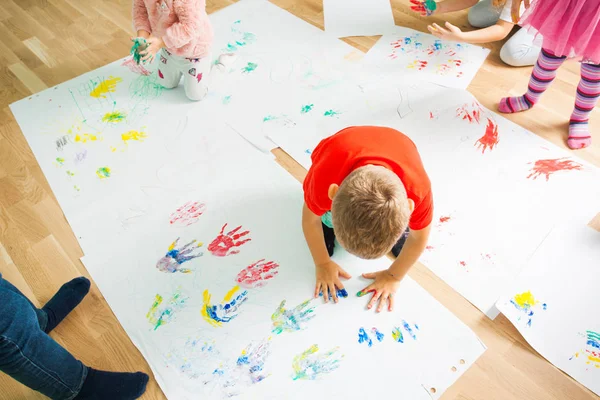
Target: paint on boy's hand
361,293
340,293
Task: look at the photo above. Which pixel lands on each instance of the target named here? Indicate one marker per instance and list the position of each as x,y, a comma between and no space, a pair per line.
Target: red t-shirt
337,156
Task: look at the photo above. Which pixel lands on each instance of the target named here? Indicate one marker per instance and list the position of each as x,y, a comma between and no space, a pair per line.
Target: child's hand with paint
328,280
153,47
384,288
425,8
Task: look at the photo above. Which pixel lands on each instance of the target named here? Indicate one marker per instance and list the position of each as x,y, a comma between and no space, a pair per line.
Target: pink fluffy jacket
183,25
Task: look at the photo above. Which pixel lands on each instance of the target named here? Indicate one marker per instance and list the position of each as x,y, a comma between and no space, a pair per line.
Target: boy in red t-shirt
369,183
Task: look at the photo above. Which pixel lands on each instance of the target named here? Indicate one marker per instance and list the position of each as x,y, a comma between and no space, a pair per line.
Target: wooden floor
46,42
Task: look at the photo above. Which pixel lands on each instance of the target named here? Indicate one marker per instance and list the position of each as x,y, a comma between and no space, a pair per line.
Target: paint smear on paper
309,365
60,161
252,360
80,156
242,38
227,244
175,257
61,142
378,335
331,113
103,172
161,312
105,86
217,315
341,293
526,303
135,67
444,219
490,138
85,137
187,214
226,99
146,87
285,320
258,274
307,108
195,360
419,65
114,117
138,136
397,335
550,166
470,112
591,353
250,67
363,337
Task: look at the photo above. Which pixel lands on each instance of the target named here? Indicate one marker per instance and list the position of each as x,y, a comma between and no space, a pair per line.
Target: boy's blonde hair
370,211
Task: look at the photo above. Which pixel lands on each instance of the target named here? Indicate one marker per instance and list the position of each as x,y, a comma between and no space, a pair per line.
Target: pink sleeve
140,16
189,13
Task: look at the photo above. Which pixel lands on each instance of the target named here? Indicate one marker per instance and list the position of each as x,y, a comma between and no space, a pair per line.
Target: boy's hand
425,8
154,45
328,278
453,33
383,289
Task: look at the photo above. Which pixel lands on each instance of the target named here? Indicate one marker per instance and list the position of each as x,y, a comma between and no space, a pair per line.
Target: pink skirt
569,27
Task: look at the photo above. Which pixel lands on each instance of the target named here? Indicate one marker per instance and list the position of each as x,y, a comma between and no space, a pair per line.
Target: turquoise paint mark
269,118
331,113
227,99
307,108
250,67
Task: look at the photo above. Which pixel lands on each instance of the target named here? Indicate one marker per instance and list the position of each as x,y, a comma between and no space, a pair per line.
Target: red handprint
257,274
223,243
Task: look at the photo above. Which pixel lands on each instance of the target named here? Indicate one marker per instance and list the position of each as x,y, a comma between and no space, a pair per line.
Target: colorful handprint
224,244
252,360
258,274
187,214
161,314
172,261
292,320
309,365
426,7
216,315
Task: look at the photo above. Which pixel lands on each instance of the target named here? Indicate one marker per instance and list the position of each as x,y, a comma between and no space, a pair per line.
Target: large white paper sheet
345,18
160,281
101,133
494,183
554,303
414,55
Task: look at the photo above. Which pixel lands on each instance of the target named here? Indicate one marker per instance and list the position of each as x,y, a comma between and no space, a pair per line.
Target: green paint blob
269,118
60,161
249,68
307,108
70,173
430,6
138,45
114,117
227,99
103,172
331,113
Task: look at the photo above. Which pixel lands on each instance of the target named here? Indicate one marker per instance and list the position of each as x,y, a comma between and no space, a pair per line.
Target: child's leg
542,76
588,92
199,74
520,50
484,14
196,77
168,71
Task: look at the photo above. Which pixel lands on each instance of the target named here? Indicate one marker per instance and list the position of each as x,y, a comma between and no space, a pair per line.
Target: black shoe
400,243
329,238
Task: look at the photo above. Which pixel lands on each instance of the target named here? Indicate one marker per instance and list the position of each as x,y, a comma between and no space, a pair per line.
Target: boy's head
370,210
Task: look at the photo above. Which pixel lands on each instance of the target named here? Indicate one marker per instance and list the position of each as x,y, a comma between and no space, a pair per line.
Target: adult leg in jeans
33,358
484,14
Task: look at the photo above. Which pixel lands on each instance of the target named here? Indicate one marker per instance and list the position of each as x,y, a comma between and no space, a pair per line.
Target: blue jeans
29,355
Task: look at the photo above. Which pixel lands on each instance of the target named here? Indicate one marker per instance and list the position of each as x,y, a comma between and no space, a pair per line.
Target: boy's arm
327,271
411,251
387,281
486,35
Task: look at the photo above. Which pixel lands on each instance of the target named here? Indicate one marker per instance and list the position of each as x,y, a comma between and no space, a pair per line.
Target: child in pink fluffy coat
179,33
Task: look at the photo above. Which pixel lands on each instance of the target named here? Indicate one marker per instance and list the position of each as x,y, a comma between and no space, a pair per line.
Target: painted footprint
175,257
292,320
216,315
